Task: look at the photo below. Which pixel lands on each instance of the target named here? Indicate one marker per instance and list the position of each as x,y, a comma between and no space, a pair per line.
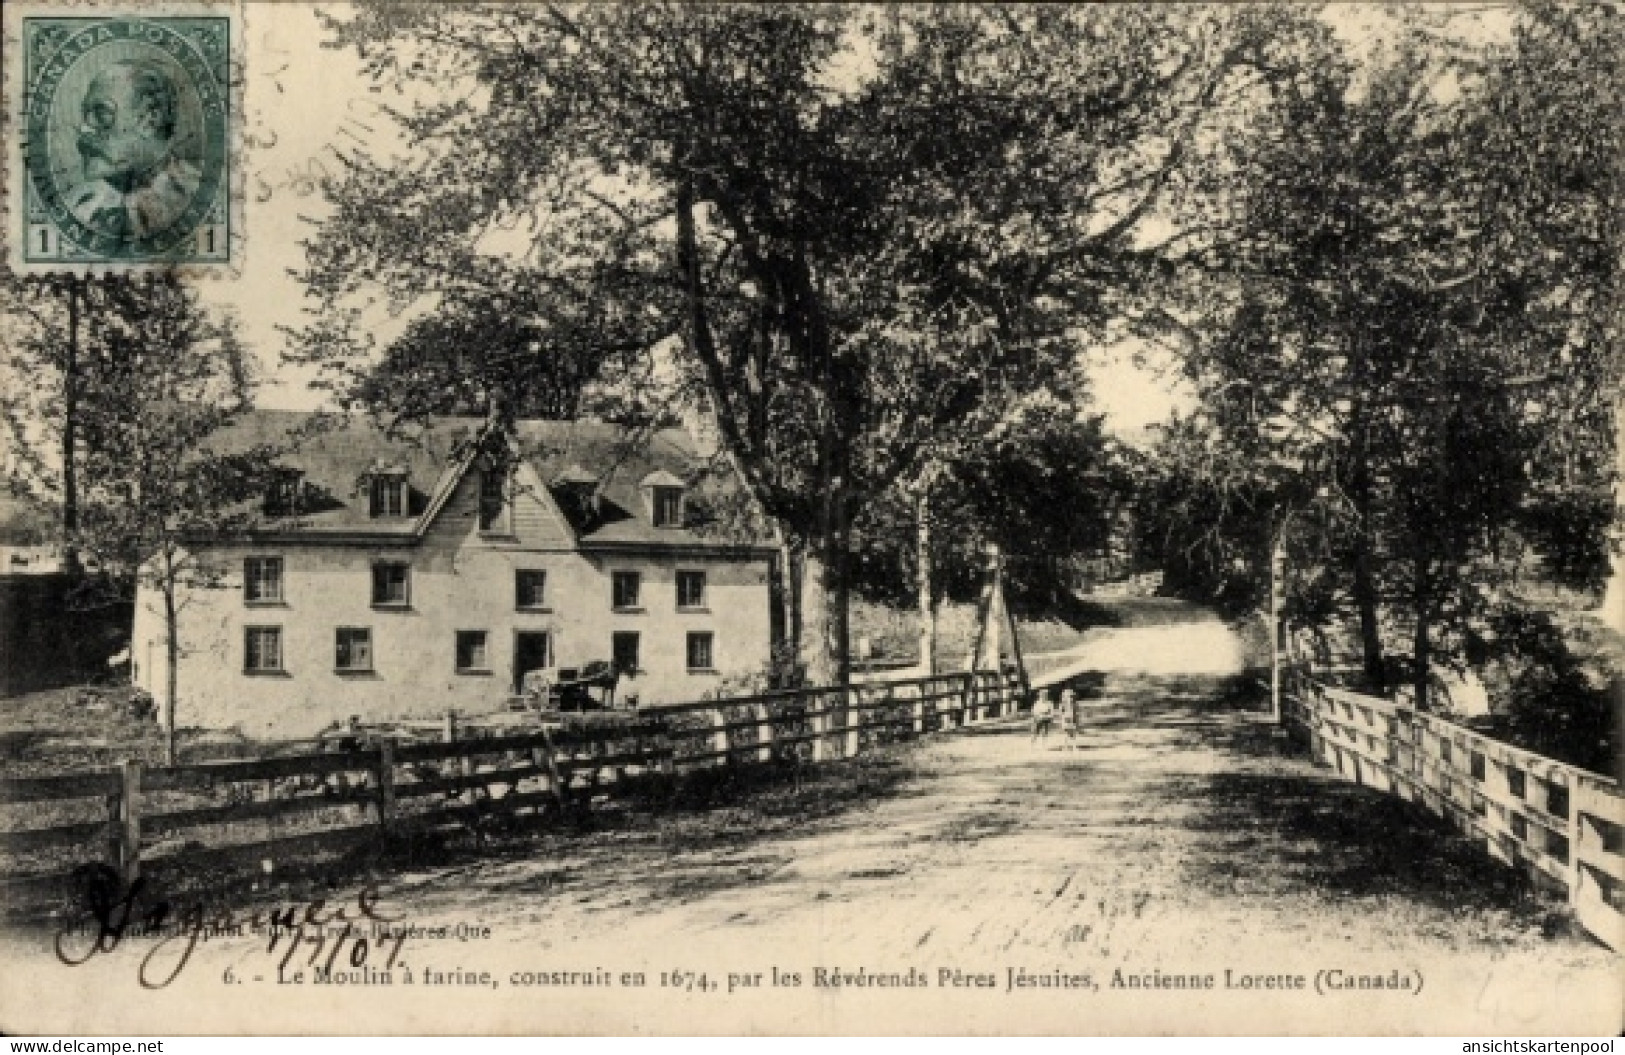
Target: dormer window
493,501
664,494
668,506
389,496
283,498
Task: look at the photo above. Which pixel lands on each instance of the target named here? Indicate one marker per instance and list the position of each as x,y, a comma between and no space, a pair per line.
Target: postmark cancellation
122,134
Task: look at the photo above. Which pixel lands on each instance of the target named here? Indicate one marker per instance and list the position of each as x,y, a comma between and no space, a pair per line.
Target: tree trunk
1365,582
70,429
1421,652
792,661
814,656
172,647
924,572
1614,594
825,613
841,594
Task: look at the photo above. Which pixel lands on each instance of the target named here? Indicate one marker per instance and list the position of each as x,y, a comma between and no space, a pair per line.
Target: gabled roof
660,478
574,475
592,470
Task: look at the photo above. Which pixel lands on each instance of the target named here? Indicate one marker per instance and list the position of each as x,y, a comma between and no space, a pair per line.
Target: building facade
396,578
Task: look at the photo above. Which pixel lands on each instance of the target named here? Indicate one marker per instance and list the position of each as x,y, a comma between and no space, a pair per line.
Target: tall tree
859,224
1410,290
51,358
153,494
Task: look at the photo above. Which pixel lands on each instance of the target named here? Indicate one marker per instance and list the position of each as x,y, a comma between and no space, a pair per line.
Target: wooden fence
1560,824
225,814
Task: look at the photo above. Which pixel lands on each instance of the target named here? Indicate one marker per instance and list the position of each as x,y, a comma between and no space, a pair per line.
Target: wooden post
919,710
820,726
719,736
764,733
130,816
465,765
854,718
555,778
386,784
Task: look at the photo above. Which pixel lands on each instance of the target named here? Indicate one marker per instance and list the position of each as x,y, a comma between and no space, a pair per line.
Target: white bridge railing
1559,823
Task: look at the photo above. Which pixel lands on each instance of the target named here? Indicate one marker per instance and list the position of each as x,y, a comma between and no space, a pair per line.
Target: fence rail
136,818
1560,824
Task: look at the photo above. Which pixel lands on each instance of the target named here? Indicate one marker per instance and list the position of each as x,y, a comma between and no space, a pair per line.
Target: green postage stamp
125,136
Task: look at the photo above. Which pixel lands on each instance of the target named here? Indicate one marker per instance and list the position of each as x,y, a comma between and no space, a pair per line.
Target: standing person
1043,716
1069,717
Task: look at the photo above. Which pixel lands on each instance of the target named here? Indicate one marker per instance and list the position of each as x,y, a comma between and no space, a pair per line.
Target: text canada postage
123,123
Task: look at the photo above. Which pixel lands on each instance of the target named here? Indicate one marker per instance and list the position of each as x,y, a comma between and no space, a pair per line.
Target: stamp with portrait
125,128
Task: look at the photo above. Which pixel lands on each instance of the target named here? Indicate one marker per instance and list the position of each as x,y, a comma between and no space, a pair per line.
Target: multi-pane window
668,506
624,587
353,648
262,649
471,651
699,651
530,588
493,501
283,498
691,589
623,647
389,495
262,580
391,584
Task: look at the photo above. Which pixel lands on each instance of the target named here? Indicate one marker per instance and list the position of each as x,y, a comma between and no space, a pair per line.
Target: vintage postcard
528,518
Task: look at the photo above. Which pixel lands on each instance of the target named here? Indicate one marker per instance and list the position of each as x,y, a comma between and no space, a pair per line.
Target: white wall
460,581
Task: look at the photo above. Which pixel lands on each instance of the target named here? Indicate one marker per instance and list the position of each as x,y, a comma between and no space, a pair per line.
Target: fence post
719,738
919,710
130,818
764,733
854,718
464,765
386,784
820,726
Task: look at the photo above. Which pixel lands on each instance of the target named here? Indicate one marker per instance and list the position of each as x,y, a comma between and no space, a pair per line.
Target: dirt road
1173,871
1175,836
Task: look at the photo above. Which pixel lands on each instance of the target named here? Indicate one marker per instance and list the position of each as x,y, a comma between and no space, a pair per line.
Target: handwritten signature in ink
117,911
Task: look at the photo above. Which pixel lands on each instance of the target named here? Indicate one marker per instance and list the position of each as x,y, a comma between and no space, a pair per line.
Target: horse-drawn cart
568,690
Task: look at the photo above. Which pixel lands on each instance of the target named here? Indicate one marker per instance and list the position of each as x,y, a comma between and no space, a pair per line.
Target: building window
262,649
624,588
392,585
530,588
353,648
493,501
389,496
699,652
472,657
668,506
262,580
623,647
286,493
691,589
